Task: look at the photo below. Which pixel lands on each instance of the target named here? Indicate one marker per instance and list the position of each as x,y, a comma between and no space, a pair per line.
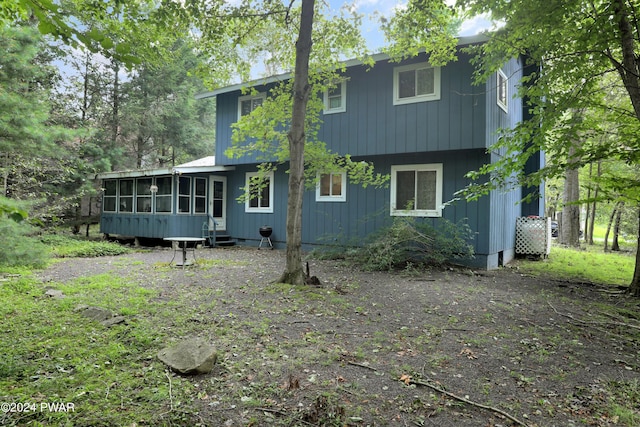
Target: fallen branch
273,411
467,401
361,365
575,319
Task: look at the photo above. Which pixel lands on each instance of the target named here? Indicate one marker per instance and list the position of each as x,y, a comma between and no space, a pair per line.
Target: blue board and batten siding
455,130
372,125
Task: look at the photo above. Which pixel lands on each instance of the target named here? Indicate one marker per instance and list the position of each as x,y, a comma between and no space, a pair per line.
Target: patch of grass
110,375
73,247
584,265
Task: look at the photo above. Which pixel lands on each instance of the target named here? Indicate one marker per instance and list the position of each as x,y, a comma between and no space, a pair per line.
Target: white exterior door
218,202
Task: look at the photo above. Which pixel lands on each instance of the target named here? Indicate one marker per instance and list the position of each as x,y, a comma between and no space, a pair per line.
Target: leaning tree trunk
615,245
609,224
294,273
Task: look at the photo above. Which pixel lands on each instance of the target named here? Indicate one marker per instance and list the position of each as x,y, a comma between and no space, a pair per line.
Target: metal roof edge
134,173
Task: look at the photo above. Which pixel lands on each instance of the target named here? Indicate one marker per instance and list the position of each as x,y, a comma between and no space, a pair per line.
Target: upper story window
248,103
416,190
502,90
416,83
260,193
332,187
335,98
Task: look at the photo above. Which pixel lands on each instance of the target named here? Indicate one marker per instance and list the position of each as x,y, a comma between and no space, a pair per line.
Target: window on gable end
335,98
502,91
416,83
332,187
248,103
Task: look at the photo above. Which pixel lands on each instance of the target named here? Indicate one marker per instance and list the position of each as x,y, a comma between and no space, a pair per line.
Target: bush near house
410,243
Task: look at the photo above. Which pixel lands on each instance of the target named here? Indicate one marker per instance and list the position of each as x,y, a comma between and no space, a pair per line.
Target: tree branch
469,402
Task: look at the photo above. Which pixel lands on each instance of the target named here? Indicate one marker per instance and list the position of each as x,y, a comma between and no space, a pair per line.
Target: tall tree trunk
570,221
634,287
609,224
294,273
615,245
595,204
587,215
629,71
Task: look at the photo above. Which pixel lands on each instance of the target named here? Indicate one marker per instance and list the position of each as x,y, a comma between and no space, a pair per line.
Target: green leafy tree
572,45
284,129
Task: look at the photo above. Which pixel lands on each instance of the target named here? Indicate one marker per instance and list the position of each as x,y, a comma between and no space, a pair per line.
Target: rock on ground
190,356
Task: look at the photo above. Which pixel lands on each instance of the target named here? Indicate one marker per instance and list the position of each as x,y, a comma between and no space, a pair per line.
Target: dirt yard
384,349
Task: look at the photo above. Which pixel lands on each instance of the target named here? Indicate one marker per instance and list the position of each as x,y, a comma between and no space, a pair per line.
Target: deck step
224,240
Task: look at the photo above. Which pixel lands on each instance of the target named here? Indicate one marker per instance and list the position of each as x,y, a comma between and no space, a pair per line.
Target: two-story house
425,126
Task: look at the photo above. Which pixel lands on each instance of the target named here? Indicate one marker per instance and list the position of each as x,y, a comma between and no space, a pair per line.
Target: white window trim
169,195
196,197
437,167
343,99
502,104
181,195
341,198
435,96
260,95
113,197
247,207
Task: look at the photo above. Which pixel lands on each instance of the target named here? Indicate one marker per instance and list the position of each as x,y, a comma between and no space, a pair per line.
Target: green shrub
64,246
408,242
19,247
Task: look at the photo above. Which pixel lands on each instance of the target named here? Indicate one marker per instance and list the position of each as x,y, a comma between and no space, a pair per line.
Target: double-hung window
200,195
143,195
416,83
332,187
126,195
260,189
501,79
248,103
416,190
163,194
335,98
110,195
184,194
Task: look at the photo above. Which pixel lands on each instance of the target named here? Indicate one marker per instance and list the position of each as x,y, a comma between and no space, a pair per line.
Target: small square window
248,103
416,190
332,187
335,98
416,83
